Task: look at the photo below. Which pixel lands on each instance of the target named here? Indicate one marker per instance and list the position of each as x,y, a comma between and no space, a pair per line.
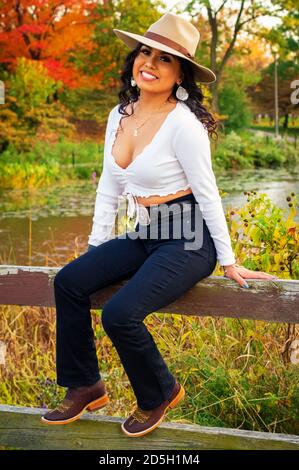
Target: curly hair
128,93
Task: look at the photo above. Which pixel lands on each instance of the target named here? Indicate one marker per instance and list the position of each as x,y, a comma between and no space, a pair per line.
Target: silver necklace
135,133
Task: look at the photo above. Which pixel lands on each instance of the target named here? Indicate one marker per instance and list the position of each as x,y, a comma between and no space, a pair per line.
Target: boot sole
92,406
180,395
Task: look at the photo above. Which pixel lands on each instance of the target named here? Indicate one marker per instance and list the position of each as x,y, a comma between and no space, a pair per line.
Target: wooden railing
216,296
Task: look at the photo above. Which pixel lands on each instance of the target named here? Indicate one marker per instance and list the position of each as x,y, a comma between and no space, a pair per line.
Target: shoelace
64,405
139,416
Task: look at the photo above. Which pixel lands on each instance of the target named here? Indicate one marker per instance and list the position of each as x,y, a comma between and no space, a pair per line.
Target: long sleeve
106,203
192,147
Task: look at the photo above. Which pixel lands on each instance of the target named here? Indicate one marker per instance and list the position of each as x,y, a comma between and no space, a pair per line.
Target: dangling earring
182,93
133,83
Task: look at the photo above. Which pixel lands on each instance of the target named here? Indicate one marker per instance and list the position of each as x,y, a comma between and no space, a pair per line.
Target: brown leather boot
142,422
76,401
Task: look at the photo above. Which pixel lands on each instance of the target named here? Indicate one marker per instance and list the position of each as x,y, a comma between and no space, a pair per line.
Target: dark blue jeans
158,271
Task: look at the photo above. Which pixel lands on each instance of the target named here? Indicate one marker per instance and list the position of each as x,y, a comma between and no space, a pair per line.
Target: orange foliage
50,31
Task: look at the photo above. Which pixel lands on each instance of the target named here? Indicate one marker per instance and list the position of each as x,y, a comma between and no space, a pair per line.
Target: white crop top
177,158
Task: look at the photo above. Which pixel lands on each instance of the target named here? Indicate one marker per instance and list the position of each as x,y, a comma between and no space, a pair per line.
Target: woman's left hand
239,273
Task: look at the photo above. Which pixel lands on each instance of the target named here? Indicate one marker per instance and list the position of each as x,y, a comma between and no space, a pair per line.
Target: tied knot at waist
142,212
142,215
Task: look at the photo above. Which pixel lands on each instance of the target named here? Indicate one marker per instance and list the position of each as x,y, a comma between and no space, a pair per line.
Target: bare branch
221,7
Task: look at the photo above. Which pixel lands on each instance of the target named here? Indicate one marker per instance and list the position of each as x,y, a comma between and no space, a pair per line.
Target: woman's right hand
240,273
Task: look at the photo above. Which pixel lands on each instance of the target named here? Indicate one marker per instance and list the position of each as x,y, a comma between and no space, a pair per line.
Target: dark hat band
168,42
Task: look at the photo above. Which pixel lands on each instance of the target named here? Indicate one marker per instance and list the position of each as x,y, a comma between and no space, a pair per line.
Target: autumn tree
262,94
51,31
228,21
285,38
110,51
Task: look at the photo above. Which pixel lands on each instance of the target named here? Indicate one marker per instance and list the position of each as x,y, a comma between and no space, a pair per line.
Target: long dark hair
128,93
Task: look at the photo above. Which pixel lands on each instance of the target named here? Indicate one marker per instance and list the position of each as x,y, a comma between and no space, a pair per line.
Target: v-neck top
177,158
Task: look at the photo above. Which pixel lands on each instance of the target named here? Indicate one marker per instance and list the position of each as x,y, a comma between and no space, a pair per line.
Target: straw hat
173,34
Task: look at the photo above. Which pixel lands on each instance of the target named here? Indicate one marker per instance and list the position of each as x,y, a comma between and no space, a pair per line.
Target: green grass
47,164
291,131
232,370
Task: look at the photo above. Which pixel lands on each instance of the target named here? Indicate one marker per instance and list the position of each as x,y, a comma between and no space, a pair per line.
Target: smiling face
164,66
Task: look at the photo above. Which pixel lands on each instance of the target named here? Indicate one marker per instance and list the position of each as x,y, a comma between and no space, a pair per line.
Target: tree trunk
286,121
214,91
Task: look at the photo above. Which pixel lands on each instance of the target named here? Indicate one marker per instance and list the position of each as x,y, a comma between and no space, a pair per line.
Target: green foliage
26,175
47,163
230,153
31,85
263,239
50,121
233,103
30,111
253,150
11,129
233,99
63,152
237,379
89,104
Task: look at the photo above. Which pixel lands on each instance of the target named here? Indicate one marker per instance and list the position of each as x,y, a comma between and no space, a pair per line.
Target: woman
157,155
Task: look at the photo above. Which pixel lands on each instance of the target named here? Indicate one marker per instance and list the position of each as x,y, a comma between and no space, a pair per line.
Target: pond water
44,227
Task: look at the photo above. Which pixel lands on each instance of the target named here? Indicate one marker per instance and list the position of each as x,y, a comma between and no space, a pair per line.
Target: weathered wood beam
217,296
21,427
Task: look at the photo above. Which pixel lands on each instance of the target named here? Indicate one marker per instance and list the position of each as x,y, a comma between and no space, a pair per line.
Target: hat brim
202,74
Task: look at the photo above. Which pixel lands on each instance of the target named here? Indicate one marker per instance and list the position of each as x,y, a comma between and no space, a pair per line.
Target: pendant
135,132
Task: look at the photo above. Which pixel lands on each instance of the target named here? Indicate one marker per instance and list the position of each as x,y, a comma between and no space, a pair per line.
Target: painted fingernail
246,285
